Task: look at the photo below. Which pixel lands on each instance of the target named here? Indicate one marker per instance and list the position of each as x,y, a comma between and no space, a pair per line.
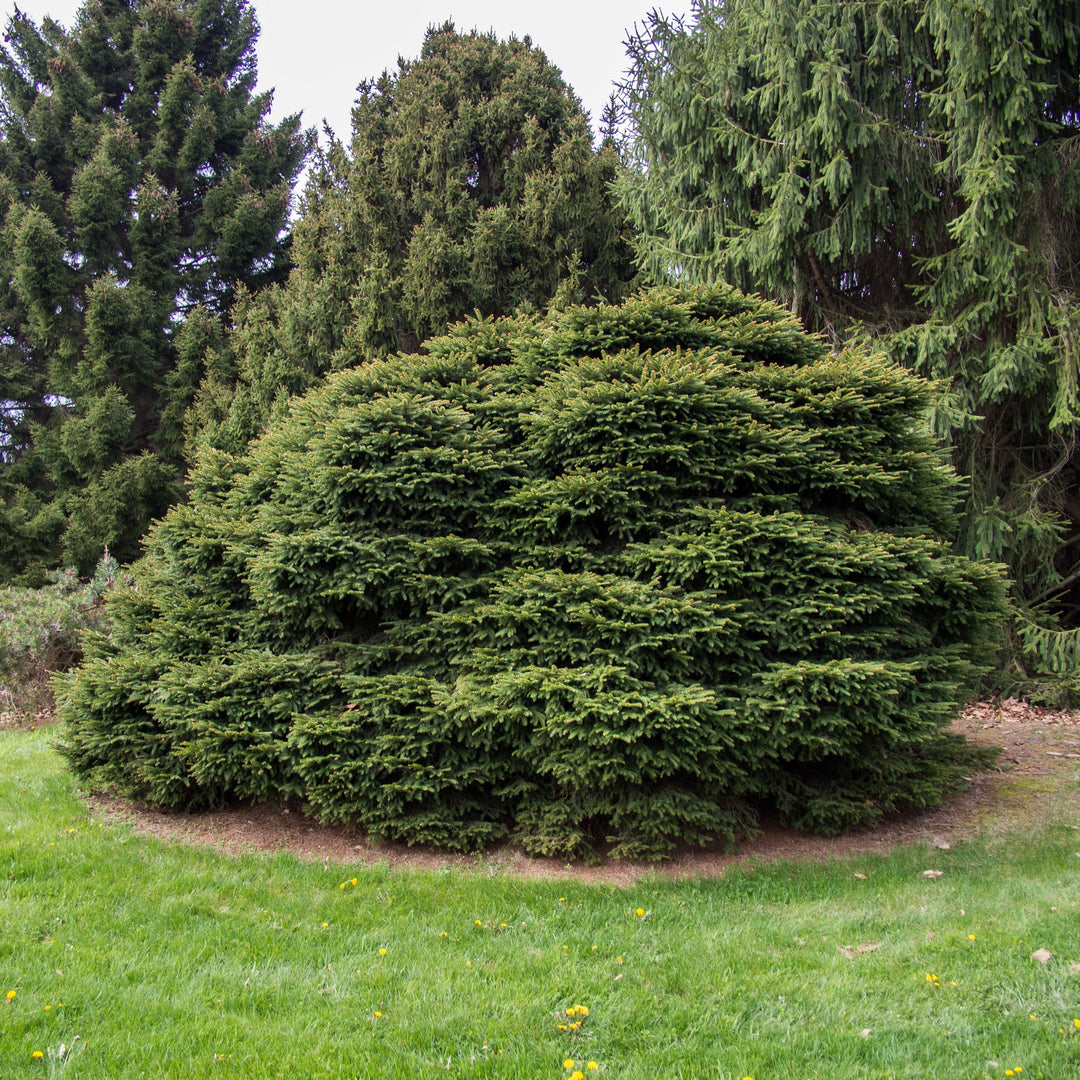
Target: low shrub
615,576
40,631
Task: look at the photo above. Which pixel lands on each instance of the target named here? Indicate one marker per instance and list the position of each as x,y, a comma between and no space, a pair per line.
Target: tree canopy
470,184
903,172
140,186
619,575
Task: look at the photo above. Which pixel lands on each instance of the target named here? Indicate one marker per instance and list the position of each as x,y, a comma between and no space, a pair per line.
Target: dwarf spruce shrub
616,576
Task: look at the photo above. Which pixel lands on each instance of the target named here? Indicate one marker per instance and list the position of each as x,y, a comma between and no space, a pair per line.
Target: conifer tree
619,574
903,172
470,184
140,186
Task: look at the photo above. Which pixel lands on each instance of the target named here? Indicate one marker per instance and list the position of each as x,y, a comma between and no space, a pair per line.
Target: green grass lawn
122,956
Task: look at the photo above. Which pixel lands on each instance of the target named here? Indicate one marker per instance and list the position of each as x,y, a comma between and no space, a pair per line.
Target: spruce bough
616,576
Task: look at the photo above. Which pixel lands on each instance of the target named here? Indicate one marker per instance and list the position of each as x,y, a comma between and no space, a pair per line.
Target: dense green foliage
140,185
905,172
615,574
470,185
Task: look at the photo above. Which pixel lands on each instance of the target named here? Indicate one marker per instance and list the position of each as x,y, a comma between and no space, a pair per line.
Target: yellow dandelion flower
382,952
1033,1017
1017,1069
618,959
502,926
355,881
325,925
46,1008
577,1074
562,1027
1076,1023
377,1015
583,1009
562,899
971,937
592,1066
37,1054
10,995
571,1011
468,963
568,1063
443,934
1009,1072
342,885
479,923
640,911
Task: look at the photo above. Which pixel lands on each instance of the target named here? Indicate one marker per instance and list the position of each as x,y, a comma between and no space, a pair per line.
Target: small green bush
617,576
40,634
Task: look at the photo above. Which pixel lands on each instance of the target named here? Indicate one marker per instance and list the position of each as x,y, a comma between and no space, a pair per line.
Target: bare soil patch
1037,773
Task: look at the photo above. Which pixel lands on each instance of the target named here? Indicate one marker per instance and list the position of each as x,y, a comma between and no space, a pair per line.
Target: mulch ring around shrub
1038,770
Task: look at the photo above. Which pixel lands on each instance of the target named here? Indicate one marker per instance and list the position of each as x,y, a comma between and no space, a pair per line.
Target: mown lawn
122,956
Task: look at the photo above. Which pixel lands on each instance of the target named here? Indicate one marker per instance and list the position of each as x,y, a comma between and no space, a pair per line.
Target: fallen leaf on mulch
1042,955
943,845
860,950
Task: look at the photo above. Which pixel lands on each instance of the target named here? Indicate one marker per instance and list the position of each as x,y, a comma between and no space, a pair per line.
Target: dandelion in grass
592,1066
37,1054
377,1015
382,952
568,1063
355,881
1076,1024
10,995
971,937
577,1074
640,913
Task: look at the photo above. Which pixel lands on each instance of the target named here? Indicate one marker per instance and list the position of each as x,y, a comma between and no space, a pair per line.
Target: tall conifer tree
140,186
903,172
470,185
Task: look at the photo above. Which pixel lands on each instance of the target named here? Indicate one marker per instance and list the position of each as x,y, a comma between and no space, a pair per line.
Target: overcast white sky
314,52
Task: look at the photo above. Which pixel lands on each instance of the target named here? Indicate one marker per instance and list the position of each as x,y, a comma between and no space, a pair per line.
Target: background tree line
156,297
901,172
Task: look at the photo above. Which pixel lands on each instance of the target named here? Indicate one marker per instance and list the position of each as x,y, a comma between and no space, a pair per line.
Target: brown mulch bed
1039,763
